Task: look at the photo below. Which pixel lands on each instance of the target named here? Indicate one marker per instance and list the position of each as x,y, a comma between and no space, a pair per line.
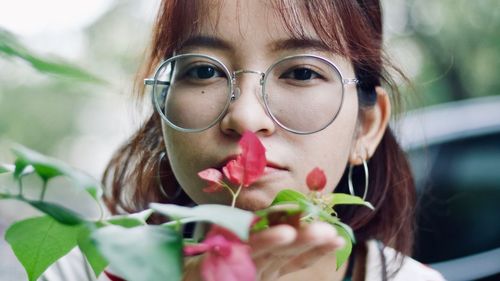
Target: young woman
306,77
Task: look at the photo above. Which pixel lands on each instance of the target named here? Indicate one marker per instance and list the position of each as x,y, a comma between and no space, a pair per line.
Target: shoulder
399,267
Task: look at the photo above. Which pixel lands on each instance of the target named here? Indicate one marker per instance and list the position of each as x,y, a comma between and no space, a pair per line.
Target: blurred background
449,49
67,92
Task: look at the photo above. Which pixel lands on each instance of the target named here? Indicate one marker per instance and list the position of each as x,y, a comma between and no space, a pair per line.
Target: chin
254,199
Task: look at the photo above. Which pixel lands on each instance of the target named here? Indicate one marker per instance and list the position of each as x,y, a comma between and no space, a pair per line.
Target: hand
284,249
192,268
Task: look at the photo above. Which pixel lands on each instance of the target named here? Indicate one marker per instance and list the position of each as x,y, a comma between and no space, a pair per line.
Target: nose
247,110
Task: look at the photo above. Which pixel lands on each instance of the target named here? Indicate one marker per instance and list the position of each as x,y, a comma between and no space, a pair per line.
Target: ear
371,128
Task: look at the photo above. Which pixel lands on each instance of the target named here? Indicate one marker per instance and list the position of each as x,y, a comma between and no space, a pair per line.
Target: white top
74,267
410,269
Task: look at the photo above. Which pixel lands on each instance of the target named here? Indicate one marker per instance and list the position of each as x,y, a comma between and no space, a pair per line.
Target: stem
101,211
235,195
228,188
20,186
44,188
307,217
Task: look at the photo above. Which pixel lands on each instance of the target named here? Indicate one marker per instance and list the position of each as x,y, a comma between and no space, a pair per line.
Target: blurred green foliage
35,111
42,96
455,43
459,41
11,47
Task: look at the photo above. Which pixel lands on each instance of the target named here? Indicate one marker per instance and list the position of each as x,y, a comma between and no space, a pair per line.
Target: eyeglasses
303,94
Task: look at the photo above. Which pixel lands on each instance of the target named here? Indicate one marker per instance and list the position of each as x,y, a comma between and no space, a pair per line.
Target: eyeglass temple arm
149,81
353,81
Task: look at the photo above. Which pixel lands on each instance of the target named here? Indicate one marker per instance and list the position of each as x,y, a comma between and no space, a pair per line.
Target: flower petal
234,171
316,179
195,249
213,187
214,177
219,230
228,259
237,266
112,277
211,175
253,157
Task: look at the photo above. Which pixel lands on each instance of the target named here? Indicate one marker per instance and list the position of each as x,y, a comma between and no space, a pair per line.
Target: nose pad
235,94
246,115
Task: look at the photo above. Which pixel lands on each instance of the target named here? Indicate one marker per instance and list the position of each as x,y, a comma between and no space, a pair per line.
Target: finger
311,257
269,240
317,235
312,235
271,264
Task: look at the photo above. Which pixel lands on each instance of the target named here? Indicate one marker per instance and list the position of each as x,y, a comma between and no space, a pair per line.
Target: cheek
190,153
179,154
331,147
182,151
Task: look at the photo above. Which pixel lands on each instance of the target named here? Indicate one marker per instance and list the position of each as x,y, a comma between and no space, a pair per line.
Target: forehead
245,18
235,24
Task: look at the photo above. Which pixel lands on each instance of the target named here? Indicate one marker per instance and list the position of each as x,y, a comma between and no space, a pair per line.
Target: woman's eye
300,74
204,72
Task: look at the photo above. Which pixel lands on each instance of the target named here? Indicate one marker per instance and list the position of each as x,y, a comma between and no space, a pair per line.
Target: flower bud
316,179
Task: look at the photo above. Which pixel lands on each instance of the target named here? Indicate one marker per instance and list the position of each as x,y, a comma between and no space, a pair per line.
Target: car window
458,183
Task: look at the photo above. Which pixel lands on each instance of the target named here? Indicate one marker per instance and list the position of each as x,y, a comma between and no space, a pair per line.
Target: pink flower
244,170
227,257
214,178
249,165
316,179
234,171
112,277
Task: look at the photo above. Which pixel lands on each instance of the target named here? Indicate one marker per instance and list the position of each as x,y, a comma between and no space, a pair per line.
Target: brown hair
353,29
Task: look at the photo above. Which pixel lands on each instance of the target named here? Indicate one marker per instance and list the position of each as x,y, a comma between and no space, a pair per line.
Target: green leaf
263,222
48,168
11,47
59,213
324,216
5,196
125,222
141,253
97,262
293,197
39,242
142,215
347,229
341,256
347,199
290,196
236,220
132,220
20,166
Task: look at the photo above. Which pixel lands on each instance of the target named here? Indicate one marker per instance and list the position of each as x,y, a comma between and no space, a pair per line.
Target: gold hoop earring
158,178
351,187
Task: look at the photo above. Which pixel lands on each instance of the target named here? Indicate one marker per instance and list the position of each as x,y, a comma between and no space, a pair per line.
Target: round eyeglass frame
231,87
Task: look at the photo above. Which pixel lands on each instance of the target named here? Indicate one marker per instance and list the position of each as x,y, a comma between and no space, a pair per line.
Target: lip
275,166
225,161
270,164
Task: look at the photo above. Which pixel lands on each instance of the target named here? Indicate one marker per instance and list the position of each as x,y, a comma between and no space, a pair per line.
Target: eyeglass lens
303,94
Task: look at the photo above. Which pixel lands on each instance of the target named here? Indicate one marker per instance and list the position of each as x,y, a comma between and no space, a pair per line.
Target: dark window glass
459,198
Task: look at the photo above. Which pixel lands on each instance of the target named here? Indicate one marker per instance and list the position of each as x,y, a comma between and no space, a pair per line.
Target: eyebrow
293,44
207,42
299,44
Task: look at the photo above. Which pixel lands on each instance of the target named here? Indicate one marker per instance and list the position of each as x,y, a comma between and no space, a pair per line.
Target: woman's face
251,34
